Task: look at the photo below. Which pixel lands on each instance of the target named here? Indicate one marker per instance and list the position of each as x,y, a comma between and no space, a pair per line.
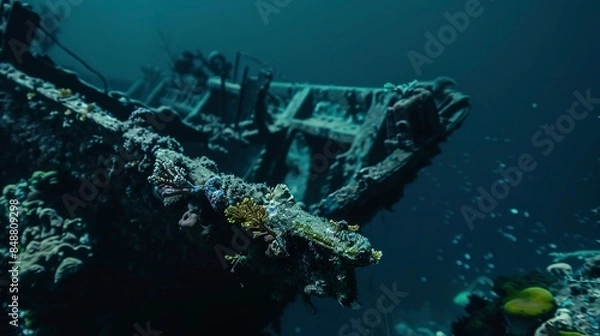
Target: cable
262,63
77,58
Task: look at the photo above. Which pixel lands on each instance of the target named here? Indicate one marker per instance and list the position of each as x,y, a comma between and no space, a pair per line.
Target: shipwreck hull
339,149
209,201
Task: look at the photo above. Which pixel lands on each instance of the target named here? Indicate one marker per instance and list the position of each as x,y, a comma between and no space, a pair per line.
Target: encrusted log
110,171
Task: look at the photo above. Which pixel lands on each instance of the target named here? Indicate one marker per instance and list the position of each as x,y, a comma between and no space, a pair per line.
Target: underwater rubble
560,302
203,211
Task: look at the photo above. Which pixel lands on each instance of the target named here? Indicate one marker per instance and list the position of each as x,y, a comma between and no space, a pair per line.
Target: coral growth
249,214
527,305
171,182
530,302
325,250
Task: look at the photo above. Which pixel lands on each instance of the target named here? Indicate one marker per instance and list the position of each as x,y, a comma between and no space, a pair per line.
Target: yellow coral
317,237
236,258
377,255
248,213
530,302
570,333
64,93
342,224
353,228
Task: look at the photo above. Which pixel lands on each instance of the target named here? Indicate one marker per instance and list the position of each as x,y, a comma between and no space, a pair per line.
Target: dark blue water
520,61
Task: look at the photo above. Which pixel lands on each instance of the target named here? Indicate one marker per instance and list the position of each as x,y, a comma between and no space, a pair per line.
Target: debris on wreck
199,188
336,148
562,301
